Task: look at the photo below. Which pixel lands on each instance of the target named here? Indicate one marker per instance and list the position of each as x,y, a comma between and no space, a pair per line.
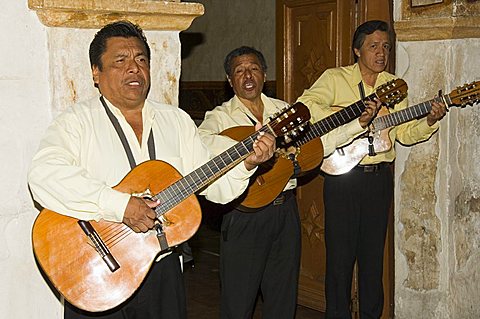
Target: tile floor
202,282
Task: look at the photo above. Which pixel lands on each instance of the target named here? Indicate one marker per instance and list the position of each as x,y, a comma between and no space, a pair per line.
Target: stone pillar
71,26
437,183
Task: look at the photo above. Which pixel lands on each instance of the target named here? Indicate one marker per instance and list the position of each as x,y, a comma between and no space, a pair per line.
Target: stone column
71,26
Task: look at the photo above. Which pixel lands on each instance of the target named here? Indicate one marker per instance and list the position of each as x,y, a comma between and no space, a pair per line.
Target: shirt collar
147,111
357,77
268,107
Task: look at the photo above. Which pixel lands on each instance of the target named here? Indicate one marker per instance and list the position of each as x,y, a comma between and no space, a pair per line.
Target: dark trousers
161,296
260,250
356,216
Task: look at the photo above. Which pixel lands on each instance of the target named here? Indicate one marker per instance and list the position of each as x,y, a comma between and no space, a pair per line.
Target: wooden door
310,39
313,35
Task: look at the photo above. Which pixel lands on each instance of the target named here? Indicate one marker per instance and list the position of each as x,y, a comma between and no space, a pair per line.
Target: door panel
314,51
309,42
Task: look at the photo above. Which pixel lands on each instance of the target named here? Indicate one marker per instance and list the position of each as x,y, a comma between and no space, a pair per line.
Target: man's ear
229,81
96,75
264,77
357,52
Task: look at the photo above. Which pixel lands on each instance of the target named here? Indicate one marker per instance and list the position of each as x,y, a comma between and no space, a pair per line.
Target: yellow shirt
81,158
234,113
339,87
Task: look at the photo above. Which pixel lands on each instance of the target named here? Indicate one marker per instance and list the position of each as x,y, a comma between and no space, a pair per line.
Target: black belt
372,168
282,198
279,200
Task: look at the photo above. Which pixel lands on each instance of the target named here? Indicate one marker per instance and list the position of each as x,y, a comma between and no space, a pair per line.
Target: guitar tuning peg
287,139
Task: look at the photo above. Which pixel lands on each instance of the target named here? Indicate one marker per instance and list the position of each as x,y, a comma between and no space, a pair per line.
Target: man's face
373,55
125,78
247,77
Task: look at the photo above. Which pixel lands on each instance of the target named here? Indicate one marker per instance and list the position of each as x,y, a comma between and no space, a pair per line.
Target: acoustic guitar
378,140
98,265
272,176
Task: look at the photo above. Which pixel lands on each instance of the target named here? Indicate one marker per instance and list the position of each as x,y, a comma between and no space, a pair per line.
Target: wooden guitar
98,265
378,139
272,177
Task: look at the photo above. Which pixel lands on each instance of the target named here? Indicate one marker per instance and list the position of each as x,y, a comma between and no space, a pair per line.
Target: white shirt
81,158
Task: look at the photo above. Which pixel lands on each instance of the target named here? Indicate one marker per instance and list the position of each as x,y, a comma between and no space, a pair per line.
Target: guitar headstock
392,92
289,120
462,96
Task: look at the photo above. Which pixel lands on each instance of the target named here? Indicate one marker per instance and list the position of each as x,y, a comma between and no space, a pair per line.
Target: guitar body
311,155
272,176
344,159
79,273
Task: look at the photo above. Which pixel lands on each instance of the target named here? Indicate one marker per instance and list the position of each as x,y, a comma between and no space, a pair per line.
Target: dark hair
227,65
124,29
365,29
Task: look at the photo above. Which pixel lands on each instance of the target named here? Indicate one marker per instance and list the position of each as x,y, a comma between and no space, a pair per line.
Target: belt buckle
279,200
370,168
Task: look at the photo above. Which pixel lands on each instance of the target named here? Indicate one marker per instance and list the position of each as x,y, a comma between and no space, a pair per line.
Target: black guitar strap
251,120
123,139
151,152
371,148
361,90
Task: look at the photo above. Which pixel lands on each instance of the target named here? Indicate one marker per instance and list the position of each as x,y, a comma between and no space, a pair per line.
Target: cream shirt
234,113
81,158
339,87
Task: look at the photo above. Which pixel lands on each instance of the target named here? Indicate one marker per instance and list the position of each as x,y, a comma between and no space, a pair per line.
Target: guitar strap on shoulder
251,120
123,139
371,147
361,89
151,152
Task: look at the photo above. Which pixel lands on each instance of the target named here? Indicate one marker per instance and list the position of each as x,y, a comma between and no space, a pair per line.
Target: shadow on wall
189,40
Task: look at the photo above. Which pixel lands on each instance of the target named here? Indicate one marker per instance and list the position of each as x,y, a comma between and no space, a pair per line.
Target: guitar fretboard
287,120
335,120
404,115
205,174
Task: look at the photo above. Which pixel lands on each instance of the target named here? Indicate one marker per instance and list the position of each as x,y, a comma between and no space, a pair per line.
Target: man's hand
139,215
437,112
371,110
263,149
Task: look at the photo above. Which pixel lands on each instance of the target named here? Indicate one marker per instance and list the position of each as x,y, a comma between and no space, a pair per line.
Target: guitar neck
335,120
405,115
205,174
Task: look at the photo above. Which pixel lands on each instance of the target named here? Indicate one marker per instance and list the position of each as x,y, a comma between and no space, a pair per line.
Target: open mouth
249,85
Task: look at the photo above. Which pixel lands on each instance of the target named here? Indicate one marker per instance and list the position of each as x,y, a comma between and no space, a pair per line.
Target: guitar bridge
99,245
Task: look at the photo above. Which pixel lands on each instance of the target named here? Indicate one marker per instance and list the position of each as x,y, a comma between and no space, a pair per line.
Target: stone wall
437,211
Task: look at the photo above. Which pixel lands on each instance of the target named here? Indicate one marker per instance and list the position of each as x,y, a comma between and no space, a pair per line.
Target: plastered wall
226,25
437,212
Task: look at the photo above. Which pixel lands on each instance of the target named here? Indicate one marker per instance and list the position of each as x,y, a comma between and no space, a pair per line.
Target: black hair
365,29
243,50
124,29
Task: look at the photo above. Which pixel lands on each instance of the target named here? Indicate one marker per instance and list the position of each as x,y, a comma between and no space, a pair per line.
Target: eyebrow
125,54
241,64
